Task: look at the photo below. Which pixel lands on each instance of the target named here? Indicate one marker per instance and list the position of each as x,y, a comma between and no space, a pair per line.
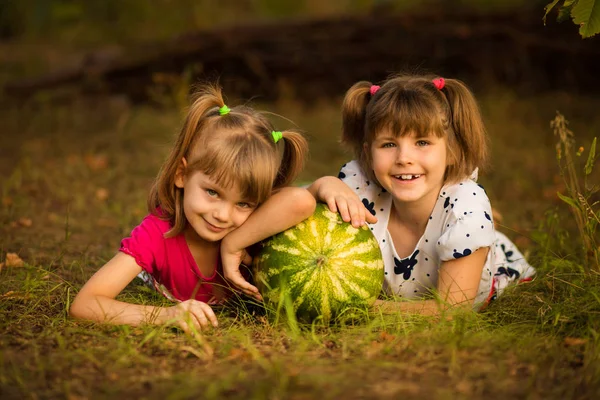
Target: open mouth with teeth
407,177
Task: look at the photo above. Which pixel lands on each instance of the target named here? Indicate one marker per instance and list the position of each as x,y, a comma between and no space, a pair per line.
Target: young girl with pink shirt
227,171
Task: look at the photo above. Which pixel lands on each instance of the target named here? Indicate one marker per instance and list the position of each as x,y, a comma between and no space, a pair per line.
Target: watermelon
324,264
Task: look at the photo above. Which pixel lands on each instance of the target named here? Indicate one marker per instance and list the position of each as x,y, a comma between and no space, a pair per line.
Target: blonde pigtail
293,159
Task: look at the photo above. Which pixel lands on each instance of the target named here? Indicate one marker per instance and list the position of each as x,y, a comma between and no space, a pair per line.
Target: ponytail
354,110
468,128
293,159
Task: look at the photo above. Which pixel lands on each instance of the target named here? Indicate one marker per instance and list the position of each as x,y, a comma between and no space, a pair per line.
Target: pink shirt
171,264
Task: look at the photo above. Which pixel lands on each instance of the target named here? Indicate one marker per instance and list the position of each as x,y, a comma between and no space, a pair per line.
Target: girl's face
411,168
212,211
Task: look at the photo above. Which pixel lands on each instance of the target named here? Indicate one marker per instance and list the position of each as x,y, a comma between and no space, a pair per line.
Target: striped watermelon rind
324,264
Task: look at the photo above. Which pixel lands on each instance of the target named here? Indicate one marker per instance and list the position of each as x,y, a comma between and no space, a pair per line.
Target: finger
189,323
210,314
331,204
237,280
355,214
370,218
342,205
198,314
247,260
251,291
184,326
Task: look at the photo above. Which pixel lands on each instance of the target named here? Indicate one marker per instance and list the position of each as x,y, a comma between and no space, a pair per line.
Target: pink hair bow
374,89
439,83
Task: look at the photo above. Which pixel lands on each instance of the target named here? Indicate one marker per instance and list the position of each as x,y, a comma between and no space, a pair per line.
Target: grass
74,179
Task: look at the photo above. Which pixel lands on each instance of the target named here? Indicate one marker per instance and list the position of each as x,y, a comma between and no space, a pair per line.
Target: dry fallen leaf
15,295
7,201
26,222
13,260
573,341
96,162
386,337
101,194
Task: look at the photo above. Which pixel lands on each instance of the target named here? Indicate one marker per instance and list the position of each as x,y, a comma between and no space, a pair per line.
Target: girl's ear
180,173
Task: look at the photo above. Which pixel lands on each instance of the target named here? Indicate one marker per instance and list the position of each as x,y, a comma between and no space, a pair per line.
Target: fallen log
318,58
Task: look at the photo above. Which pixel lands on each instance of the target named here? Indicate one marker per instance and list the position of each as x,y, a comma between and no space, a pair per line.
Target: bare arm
458,282
340,198
286,208
96,300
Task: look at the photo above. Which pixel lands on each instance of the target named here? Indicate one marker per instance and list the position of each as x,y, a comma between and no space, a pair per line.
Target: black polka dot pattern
460,223
369,205
405,266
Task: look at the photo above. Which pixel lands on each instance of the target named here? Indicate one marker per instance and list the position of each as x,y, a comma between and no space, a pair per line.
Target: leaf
564,13
589,164
568,200
101,194
96,162
25,222
586,14
573,341
549,8
13,260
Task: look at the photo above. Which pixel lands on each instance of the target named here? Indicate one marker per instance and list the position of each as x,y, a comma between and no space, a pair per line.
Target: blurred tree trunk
324,57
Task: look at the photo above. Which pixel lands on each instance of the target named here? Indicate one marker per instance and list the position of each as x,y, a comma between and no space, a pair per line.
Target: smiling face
211,211
410,167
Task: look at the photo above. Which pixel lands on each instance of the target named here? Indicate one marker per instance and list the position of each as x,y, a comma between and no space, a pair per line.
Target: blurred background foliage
93,22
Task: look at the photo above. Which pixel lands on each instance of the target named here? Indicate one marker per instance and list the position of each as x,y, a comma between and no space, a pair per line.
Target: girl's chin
203,235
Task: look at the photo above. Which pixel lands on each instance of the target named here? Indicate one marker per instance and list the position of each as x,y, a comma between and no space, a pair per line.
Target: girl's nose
223,212
403,155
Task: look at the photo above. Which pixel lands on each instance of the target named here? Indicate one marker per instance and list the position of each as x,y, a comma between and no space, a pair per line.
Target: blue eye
388,145
244,204
211,193
422,143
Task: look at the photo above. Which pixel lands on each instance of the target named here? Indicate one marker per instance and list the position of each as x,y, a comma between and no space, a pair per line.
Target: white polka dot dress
461,223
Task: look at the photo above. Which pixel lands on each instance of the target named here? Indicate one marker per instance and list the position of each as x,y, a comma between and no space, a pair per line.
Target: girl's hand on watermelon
231,260
340,198
192,313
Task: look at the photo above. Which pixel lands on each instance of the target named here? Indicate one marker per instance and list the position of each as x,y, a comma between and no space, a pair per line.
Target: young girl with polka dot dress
418,142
